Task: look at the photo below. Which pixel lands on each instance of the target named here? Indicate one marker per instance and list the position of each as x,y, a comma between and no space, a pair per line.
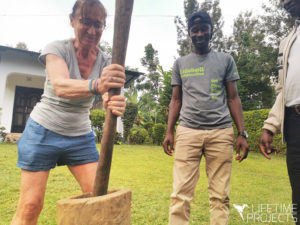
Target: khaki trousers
217,147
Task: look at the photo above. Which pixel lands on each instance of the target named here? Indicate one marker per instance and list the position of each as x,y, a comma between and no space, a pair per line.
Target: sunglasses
88,23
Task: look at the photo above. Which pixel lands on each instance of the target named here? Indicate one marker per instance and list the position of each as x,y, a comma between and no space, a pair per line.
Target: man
199,82
285,113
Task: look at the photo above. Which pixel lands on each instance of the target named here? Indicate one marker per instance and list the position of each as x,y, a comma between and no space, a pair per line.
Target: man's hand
241,143
168,144
265,143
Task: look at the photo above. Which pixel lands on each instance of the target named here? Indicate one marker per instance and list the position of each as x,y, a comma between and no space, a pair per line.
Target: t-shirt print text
190,72
215,89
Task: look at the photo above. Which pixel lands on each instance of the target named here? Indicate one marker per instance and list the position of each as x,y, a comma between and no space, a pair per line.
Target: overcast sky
38,22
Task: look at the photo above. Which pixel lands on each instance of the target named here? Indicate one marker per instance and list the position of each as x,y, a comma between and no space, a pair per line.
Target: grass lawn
147,172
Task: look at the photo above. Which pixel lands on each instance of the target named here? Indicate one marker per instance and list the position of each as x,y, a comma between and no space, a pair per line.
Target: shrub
2,134
253,121
118,138
97,119
138,135
128,118
149,127
2,130
159,131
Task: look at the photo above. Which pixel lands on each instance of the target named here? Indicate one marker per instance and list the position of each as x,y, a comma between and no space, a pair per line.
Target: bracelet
96,87
90,86
92,91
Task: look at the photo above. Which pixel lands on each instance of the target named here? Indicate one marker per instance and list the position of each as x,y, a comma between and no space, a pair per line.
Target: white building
21,85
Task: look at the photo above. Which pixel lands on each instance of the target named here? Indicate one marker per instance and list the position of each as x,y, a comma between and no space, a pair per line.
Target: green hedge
138,135
149,127
97,119
159,133
253,121
129,116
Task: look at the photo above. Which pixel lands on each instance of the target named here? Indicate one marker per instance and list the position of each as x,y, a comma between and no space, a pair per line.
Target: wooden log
121,32
111,209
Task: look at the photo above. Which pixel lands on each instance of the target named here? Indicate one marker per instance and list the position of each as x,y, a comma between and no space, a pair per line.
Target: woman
58,131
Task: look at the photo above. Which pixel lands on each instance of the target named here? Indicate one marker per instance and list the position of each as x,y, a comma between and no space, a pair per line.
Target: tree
150,60
254,45
131,111
149,84
150,80
165,94
183,40
22,45
256,62
105,47
277,21
128,118
190,6
130,91
213,8
277,24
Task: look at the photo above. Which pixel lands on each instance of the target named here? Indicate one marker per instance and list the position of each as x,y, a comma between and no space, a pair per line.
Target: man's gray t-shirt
203,80
69,117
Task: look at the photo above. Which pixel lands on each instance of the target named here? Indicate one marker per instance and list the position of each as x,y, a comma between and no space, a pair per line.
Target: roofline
5,48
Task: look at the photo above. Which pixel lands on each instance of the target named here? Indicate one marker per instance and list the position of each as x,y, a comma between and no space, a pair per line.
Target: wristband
244,134
96,87
92,91
90,86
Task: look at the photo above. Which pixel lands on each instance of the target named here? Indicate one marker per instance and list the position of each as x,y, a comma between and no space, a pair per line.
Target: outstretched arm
113,76
235,107
174,109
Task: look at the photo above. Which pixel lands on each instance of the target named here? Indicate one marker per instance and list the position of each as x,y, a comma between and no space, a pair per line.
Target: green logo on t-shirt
235,73
190,72
215,89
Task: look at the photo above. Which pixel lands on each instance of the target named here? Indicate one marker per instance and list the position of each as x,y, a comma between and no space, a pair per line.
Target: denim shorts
40,149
